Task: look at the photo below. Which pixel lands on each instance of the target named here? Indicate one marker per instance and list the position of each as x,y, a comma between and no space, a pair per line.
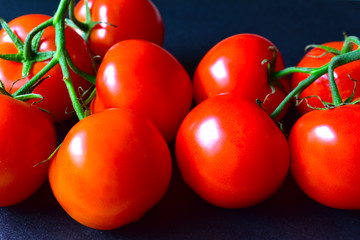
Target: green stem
27,45
28,55
4,92
27,97
73,96
59,24
347,43
82,26
16,40
333,86
37,77
91,97
315,74
327,49
334,63
290,70
60,14
88,77
50,157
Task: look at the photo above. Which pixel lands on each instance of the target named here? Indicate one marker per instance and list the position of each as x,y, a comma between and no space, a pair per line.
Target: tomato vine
344,57
28,55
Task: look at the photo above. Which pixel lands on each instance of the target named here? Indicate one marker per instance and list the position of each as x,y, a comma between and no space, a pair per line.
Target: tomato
145,77
318,57
231,153
56,97
96,106
139,19
325,156
235,65
28,137
111,168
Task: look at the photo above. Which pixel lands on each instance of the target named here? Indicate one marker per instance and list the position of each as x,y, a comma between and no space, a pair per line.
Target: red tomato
144,77
111,168
324,147
318,57
56,97
235,65
139,19
28,137
96,106
231,153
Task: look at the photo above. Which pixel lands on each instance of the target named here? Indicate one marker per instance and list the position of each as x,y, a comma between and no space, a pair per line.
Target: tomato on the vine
324,147
231,153
111,168
235,65
344,75
121,20
28,137
55,95
143,76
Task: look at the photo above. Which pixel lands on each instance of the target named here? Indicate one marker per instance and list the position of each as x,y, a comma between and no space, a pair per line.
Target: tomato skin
28,137
231,153
56,97
315,58
146,78
235,65
135,19
96,106
111,169
325,156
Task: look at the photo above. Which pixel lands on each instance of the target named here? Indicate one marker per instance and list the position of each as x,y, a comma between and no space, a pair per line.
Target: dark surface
192,28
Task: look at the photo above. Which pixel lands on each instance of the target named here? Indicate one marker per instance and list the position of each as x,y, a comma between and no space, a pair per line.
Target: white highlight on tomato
325,132
76,148
219,72
208,134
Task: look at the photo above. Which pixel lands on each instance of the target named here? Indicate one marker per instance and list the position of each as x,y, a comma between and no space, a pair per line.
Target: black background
192,28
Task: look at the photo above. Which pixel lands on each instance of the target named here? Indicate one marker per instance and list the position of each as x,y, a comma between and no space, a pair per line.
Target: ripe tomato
144,77
235,65
318,57
96,106
28,137
139,19
111,168
231,153
56,97
324,147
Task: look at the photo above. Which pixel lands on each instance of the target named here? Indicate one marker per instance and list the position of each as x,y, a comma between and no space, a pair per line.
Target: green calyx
84,27
27,52
28,55
23,97
346,55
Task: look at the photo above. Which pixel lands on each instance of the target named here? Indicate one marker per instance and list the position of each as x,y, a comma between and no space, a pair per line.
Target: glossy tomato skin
28,137
56,97
144,77
96,105
325,156
135,19
318,57
111,169
235,65
231,153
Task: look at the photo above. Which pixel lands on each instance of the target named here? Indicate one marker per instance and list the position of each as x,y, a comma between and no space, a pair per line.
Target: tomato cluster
55,97
133,98
228,149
